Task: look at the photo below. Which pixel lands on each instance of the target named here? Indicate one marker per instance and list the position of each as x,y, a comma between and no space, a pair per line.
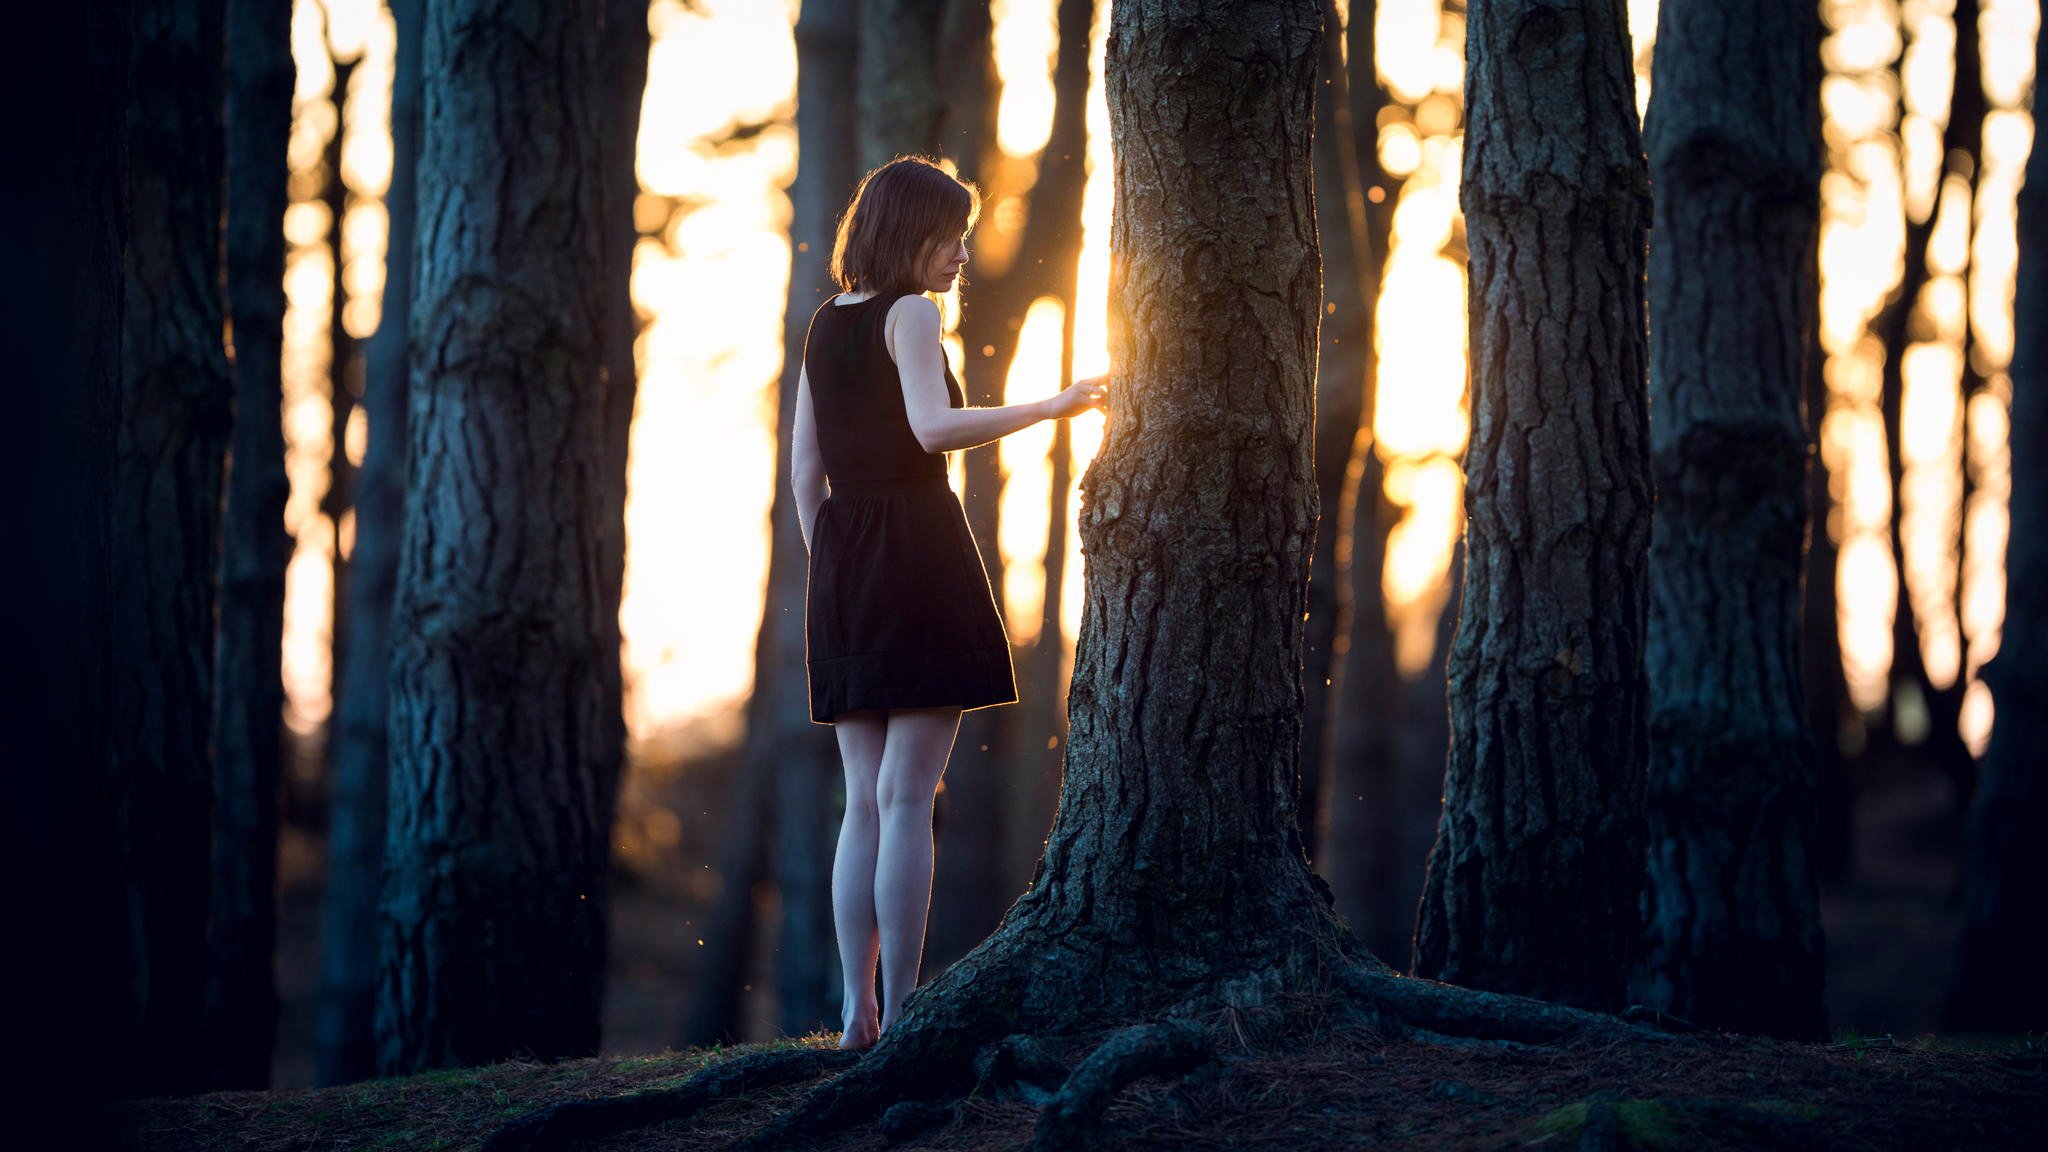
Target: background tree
492,925
359,771
176,410
248,737
1733,933
2005,882
62,296
789,767
1534,879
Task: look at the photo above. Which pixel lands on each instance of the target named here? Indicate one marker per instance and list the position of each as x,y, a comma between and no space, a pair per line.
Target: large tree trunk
2005,875
898,89
496,870
1344,370
1175,858
1733,934
176,412
62,296
796,761
1830,714
1534,879
360,772
248,733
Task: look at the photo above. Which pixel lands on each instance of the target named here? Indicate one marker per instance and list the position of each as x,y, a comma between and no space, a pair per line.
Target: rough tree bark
248,736
344,1048
2005,878
176,412
1732,909
1344,385
1534,879
62,296
492,926
789,762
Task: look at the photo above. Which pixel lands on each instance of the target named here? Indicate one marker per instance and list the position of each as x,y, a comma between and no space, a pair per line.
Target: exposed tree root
1072,1117
1420,1009
573,1121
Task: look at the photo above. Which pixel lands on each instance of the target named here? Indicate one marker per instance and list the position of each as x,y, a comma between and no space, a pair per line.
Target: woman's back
857,395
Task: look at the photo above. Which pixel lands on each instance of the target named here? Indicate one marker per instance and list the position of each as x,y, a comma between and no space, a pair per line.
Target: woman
901,631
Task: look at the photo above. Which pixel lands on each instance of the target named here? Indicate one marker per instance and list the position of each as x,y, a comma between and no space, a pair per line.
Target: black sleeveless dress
897,608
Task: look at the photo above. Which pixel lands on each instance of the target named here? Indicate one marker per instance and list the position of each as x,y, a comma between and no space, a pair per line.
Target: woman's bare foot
861,1030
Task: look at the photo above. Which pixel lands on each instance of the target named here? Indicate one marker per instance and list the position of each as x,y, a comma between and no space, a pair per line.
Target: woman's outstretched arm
913,340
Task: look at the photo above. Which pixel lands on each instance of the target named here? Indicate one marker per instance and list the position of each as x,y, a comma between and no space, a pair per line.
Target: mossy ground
1342,1087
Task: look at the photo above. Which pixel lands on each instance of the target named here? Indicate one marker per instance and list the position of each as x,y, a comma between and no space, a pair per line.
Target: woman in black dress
901,629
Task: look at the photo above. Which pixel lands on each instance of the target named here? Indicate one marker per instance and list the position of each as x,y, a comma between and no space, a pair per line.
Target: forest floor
1339,1089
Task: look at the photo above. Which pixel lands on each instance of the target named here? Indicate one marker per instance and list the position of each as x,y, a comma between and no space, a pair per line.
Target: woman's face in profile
943,263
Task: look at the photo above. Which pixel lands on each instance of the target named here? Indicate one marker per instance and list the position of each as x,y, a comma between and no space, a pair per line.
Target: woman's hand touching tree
1080,397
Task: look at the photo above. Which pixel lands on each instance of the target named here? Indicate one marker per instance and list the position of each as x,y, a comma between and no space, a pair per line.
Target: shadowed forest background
733,132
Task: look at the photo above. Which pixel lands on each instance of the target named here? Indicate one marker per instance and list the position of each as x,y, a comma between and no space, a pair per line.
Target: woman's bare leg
861,737
919,742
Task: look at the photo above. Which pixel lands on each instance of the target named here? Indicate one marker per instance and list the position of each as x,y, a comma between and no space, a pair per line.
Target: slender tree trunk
969,888
62,296
1733,135
2005,880
798,760
248,735
1534,880
1961,146
345,386
359,775
176,414
1343,385
898,87
623,64
496,862
1364,820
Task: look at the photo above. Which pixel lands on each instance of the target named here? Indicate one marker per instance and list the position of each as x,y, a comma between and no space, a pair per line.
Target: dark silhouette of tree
359,773
177,406
789,767
248,735
1899,325
64,231
492,925
1534,879
2005,880
1345,367
1732,909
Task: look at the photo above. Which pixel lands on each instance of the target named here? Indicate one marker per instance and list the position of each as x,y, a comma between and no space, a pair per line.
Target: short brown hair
899,211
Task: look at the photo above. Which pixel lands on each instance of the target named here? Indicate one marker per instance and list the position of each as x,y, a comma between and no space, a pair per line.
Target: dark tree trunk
1961,146
360,771
1830,715
1534,879
63,231
1175,859
793,761
1733,934
898,96
968,877
176,414
345,370
1996,986
622,62
788,762
1344,370
1365,820
248,733
496,869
